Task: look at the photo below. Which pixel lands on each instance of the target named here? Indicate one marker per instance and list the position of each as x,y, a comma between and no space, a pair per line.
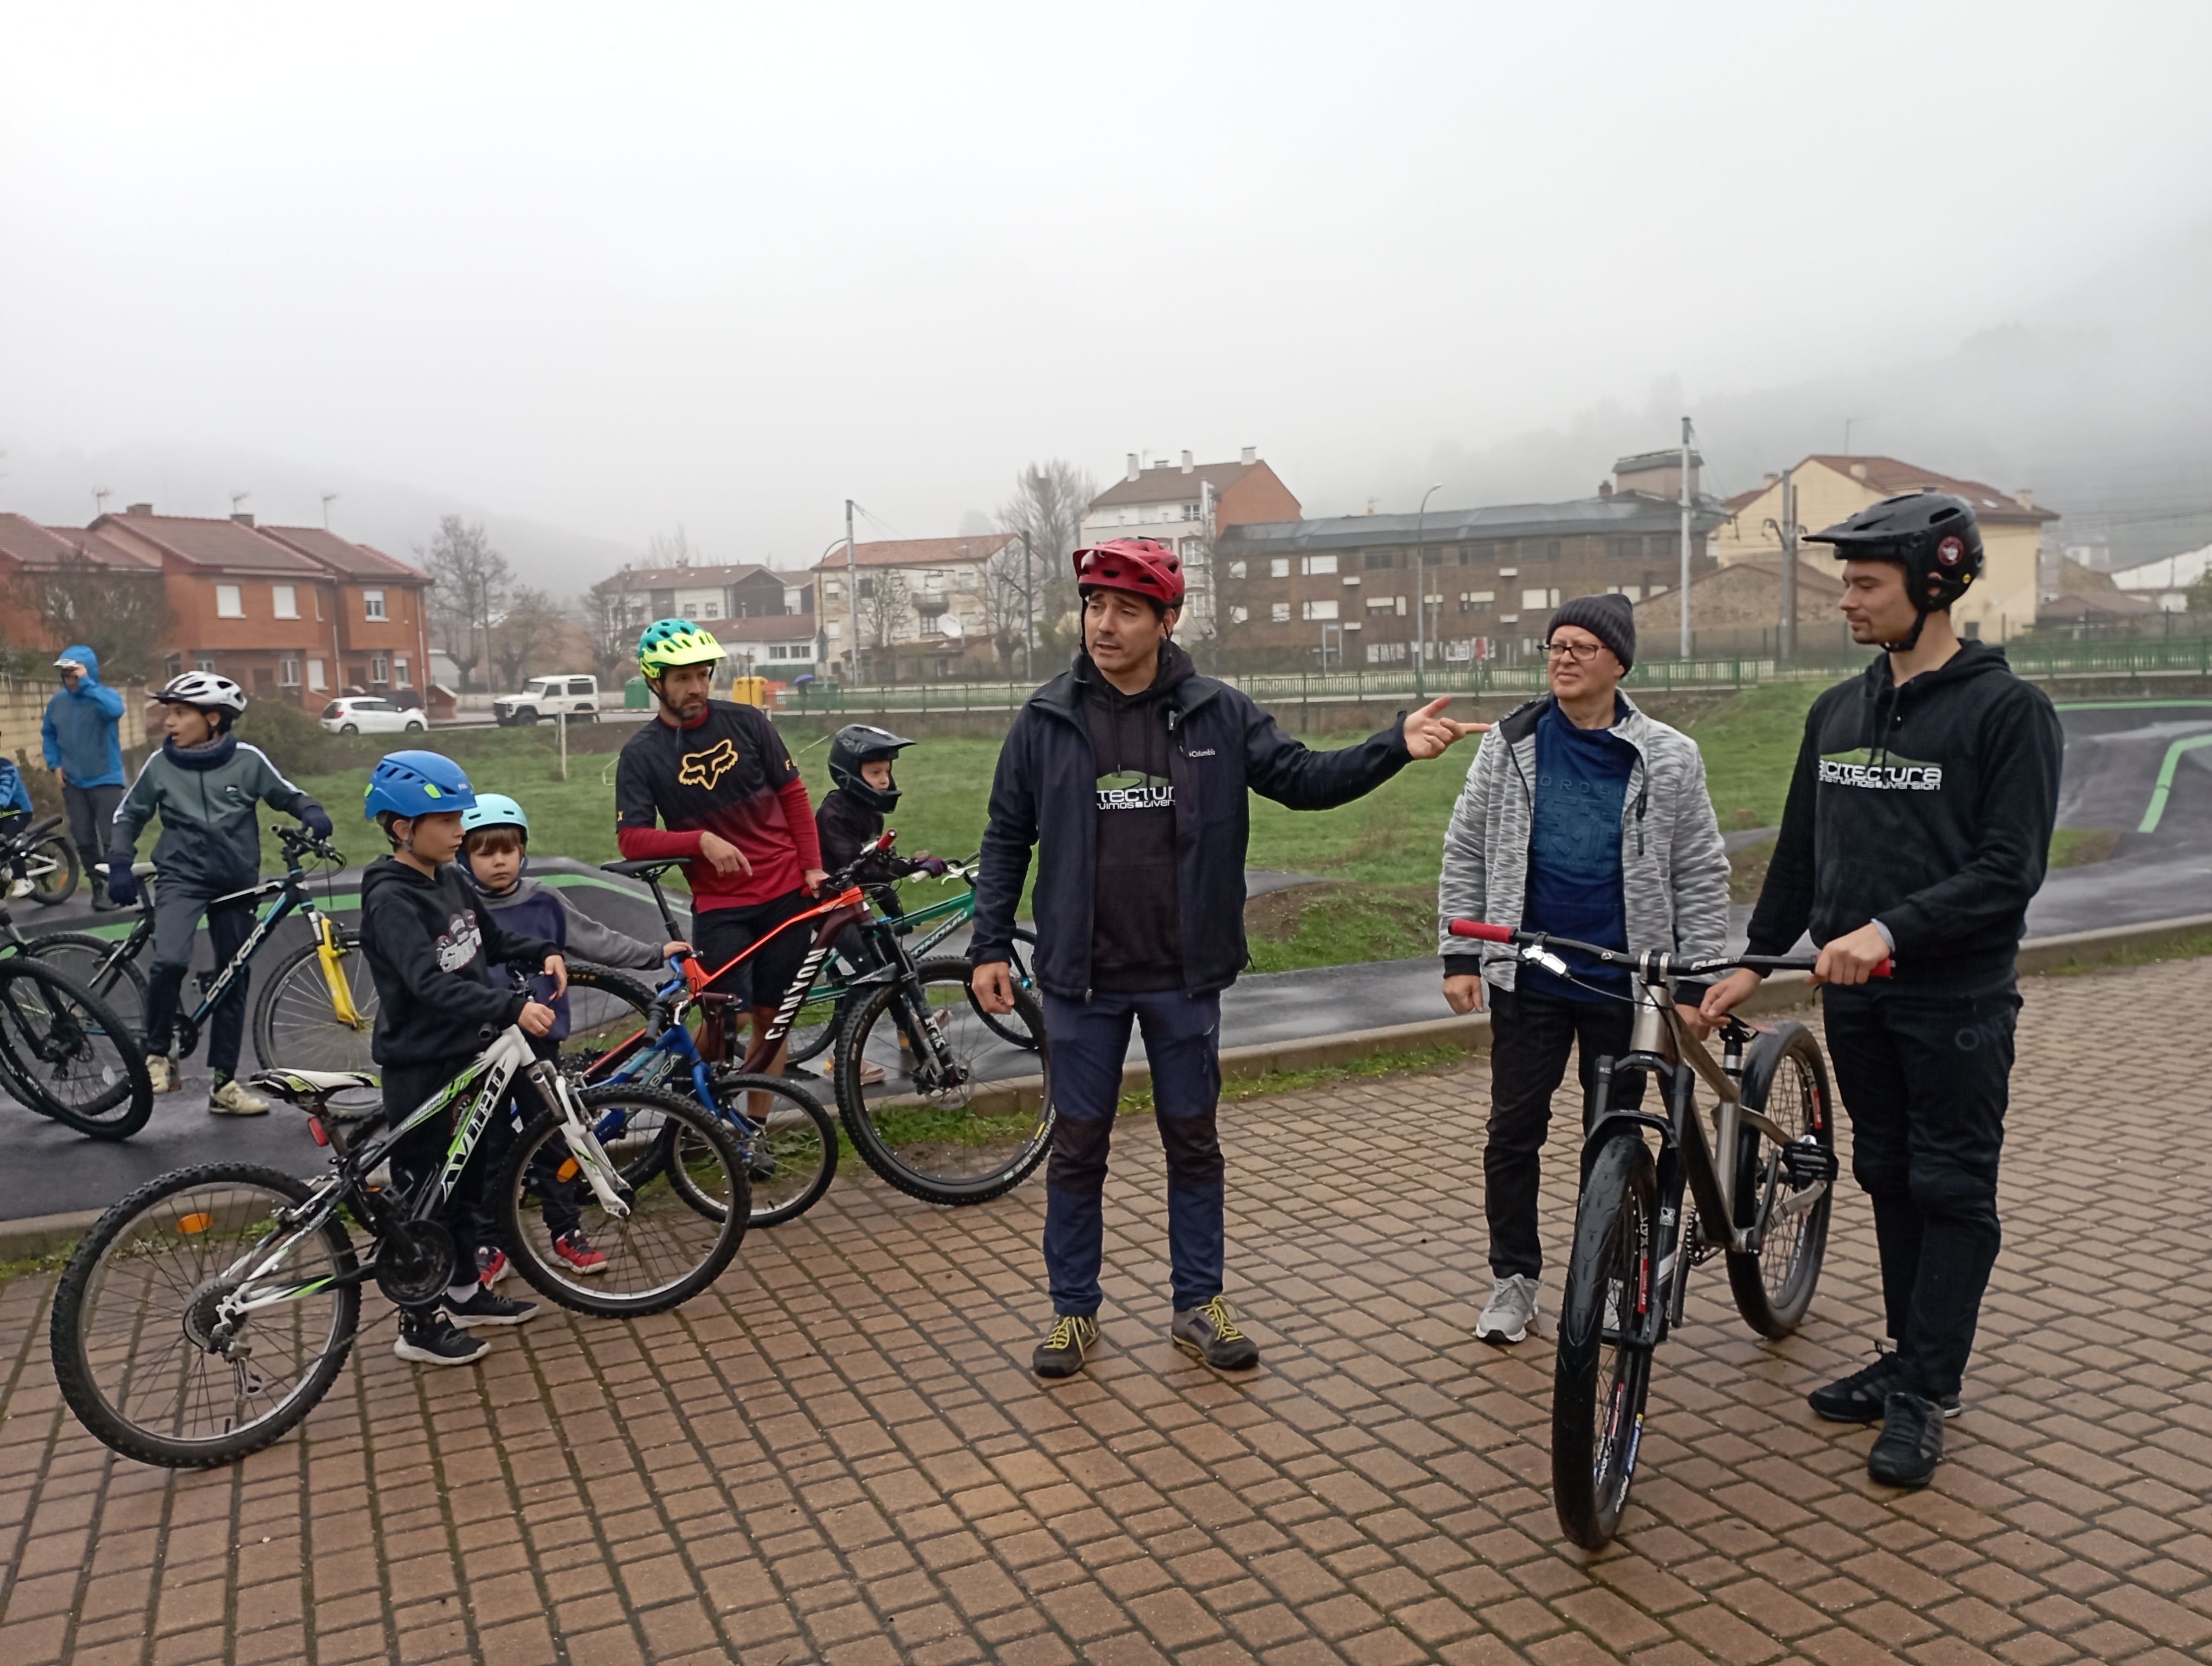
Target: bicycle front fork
329,954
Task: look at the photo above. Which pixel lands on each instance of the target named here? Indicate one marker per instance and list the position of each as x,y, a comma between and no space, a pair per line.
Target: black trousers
91,815
424,1152
1925,1075
1530,1036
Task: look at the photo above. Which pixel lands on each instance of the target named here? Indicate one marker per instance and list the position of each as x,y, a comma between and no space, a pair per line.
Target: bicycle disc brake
414,1262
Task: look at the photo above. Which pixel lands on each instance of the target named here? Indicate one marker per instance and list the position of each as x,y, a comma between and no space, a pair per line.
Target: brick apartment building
1342,591
1187,505
294,612
923,605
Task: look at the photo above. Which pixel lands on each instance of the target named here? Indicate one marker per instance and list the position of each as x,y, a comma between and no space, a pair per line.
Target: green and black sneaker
1066,1346
1209,1333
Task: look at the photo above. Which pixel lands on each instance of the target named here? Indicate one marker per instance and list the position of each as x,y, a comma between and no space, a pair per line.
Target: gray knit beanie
1611,619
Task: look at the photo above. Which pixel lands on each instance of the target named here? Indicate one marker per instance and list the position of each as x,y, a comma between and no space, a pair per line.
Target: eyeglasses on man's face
1580,652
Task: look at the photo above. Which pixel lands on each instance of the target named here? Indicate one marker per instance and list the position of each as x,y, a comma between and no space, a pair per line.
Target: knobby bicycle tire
1786,1077
65,1036
64,878
98,964
693,1261
294,1025
84,1281
1022,967
1597,1414
606,1008
790,1161
933,1143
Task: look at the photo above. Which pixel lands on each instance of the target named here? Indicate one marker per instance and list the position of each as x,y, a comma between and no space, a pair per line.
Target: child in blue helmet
495,842
431,943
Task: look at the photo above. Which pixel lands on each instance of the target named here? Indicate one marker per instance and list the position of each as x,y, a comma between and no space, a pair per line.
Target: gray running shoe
1066,1346
1208,1332
1512,1314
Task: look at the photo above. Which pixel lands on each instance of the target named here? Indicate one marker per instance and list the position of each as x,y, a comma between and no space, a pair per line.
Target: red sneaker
576,1250
491,1266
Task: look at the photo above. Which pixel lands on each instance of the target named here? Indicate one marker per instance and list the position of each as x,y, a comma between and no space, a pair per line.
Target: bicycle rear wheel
101,967
959,1128
67,1054
52,865
296,1024
135,1345
1021,960
675,1239
789,1140
1600,1377
1786,1078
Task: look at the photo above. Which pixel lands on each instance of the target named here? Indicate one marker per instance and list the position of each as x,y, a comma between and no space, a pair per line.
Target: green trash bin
636,695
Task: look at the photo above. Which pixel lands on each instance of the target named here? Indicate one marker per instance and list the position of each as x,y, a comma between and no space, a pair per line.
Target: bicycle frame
490,1076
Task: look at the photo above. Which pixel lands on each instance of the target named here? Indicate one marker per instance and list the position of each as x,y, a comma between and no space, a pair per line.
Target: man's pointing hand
1430,733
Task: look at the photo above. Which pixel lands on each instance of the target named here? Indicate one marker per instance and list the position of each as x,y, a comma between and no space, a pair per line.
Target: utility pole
1421,595
1029,613
1786,638
851,591
1686,538
483,593
329,498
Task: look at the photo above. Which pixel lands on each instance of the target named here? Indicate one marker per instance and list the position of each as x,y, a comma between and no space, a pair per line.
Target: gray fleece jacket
1674,868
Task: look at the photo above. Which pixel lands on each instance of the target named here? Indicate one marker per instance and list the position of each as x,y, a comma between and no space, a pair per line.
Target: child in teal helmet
495,835
431,944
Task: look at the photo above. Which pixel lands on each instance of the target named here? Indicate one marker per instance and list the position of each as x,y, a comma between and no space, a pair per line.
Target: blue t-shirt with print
1574,852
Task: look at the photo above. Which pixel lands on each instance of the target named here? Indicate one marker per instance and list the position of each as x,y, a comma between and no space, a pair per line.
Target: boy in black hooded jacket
430,941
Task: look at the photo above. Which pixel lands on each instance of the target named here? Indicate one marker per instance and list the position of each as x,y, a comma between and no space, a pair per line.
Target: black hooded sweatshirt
1136,921
1927,807
431,944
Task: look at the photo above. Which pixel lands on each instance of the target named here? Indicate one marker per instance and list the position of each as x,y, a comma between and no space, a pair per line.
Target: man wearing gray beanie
1583,817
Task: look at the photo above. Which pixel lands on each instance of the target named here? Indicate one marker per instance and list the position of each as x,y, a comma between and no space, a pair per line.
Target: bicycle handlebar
1482,931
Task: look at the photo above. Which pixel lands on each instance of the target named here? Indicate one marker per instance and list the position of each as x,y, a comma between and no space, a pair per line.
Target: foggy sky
614,269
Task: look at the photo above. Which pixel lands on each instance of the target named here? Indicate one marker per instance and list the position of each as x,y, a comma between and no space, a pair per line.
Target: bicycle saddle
644,867
309,1089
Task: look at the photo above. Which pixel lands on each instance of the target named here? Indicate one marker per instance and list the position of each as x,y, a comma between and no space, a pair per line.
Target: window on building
287,606
831,590
932,584
318,676
1509,619
690,610
1317,567
866,588
229,601
1278,567
1471,599
1236,569
833,629
1509,572
1239,615
1382,604
966,580
1633,592
794,601
1377,559
1279,613
713,610
371,605
1540,597
287,673
204,662
1320,610
379,669
1625,548
402,670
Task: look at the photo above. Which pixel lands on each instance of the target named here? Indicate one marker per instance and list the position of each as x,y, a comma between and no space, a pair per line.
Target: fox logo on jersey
706,768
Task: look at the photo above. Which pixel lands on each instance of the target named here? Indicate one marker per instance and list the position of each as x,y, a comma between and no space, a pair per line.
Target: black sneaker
1910,1444
488,1307
1207,1332
431,1340
1863,1396
1066,1346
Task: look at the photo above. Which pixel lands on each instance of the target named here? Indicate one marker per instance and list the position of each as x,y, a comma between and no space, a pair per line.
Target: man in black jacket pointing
1128,774
1917,826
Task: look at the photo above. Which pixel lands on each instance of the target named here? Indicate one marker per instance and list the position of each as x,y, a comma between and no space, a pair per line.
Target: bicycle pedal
1808,1163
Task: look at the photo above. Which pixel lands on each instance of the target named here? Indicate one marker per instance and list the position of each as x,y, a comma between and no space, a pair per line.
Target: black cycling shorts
766,976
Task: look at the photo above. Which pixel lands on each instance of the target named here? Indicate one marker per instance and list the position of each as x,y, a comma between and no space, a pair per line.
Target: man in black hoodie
1129,774
1917,825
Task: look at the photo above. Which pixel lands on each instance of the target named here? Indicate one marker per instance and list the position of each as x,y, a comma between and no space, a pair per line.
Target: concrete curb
40,1235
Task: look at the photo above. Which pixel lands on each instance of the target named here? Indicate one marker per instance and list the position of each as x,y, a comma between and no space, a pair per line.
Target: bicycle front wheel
789,1140
139,1349
1602,1370
1786,1078
101,967
296,1023
683,1201
958,1118
68,1055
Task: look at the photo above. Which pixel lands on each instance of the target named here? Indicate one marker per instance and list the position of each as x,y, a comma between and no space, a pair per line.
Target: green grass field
1379,853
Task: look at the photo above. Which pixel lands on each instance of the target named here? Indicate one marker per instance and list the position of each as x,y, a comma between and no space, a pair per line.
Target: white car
370,713
569,694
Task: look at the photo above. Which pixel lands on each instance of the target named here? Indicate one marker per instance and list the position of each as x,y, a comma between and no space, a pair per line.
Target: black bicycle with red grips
1751,1178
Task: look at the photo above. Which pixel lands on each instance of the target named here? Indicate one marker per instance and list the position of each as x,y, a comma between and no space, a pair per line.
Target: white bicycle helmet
203,690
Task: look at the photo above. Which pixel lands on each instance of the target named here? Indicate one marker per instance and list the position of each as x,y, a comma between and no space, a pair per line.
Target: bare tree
1003,590
613,613
122,617
673,550
468,584
1049,502
886,607
529,628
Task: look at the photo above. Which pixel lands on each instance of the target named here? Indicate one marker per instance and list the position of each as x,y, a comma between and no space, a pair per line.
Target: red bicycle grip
1882,969
1483,929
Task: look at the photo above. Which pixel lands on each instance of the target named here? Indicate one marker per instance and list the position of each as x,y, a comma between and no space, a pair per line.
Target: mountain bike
1758,1187
317,1011
66,1054
829,1003
958,1115
39,864
207,1313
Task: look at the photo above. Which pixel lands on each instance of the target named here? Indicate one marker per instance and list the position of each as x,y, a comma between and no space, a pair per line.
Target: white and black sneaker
429,1338
1512,1314
488,1307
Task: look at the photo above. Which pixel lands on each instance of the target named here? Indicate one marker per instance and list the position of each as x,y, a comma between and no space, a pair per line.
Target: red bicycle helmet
1142,566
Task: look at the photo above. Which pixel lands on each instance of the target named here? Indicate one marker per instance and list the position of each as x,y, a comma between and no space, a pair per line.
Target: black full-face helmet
861,743
1932,535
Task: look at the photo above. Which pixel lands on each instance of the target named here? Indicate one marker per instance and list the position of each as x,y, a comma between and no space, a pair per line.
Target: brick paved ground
838,1455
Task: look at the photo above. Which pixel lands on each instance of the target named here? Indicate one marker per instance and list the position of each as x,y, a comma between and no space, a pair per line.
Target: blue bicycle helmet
413,784
496,810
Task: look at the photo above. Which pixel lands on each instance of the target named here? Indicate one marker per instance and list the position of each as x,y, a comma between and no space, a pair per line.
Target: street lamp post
1029,614
1421,595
